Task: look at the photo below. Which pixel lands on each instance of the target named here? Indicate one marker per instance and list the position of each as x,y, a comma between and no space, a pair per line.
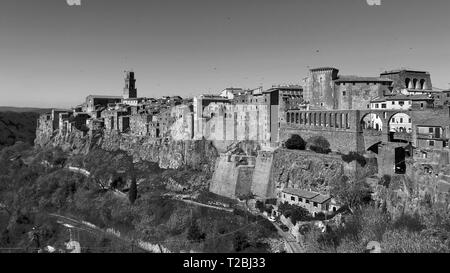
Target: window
409,120
431,143
401,120
376,105
344,93
401,103
292,198
430,130
307,201
393,102
383,105
284,195
421,105
315,204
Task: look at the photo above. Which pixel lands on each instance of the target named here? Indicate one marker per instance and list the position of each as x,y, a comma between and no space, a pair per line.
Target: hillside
23,109
17,126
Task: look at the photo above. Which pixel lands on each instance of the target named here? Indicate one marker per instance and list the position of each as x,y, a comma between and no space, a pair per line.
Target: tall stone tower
319,88
129,91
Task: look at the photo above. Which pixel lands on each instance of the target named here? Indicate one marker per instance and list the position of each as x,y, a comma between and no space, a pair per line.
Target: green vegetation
408,232
354,156
295,142
296,213
30,190
319,144
353,194
16,127
395,235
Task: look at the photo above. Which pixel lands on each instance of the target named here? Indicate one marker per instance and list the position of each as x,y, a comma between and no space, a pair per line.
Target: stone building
130,90
412,80
280,99
312,201
325,89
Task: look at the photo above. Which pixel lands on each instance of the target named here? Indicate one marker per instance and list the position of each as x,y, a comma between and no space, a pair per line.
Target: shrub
295,142
260,206
194,233
296,213
319,144
352,156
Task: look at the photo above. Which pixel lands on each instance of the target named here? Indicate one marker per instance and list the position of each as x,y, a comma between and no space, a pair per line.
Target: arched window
422,84
415,84
288,119
407,82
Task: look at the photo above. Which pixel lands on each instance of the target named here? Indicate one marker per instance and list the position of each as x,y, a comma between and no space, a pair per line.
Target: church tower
129,91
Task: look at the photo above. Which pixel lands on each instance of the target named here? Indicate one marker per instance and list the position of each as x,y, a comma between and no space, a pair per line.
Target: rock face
199,155
312,171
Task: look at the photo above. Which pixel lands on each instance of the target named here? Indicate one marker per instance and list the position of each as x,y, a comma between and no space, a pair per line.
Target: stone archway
371,121
399,127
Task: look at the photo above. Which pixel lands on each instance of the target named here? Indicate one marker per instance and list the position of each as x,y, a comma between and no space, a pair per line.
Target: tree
295,142
260,205
132,193
299,214
354,156
240,241
351,193
319,144
194,233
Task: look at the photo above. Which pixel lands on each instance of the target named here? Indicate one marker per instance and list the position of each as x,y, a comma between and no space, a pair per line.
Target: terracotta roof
301,193
362,79
105,97
394,71
289,87
401,97
321,198
323,68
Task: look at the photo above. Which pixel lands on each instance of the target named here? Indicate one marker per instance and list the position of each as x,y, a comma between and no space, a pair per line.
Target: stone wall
261,185
359,95
306,170
44,130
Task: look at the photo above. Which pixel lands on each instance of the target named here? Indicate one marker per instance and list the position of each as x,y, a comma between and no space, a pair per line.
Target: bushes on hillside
296,213
354,156
295,142
319,144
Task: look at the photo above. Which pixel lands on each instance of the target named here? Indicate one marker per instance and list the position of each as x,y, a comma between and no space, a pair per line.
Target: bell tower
129,91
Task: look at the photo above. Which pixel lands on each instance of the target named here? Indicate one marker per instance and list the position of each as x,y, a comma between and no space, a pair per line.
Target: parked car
272,219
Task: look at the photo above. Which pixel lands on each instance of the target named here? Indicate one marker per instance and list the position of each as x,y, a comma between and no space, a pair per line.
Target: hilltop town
387,129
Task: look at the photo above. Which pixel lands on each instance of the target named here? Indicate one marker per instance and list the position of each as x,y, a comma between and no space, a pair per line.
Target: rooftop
321,198
402,97
301,193
352,78
284,87
395,71
104,97
323,68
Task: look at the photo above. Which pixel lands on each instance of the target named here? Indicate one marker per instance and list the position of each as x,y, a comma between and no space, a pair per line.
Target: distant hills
18,124
23,109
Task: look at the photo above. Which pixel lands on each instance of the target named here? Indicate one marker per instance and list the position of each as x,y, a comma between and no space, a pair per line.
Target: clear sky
53,54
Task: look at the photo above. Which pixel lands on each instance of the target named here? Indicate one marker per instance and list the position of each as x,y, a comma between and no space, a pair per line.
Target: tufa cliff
199,155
